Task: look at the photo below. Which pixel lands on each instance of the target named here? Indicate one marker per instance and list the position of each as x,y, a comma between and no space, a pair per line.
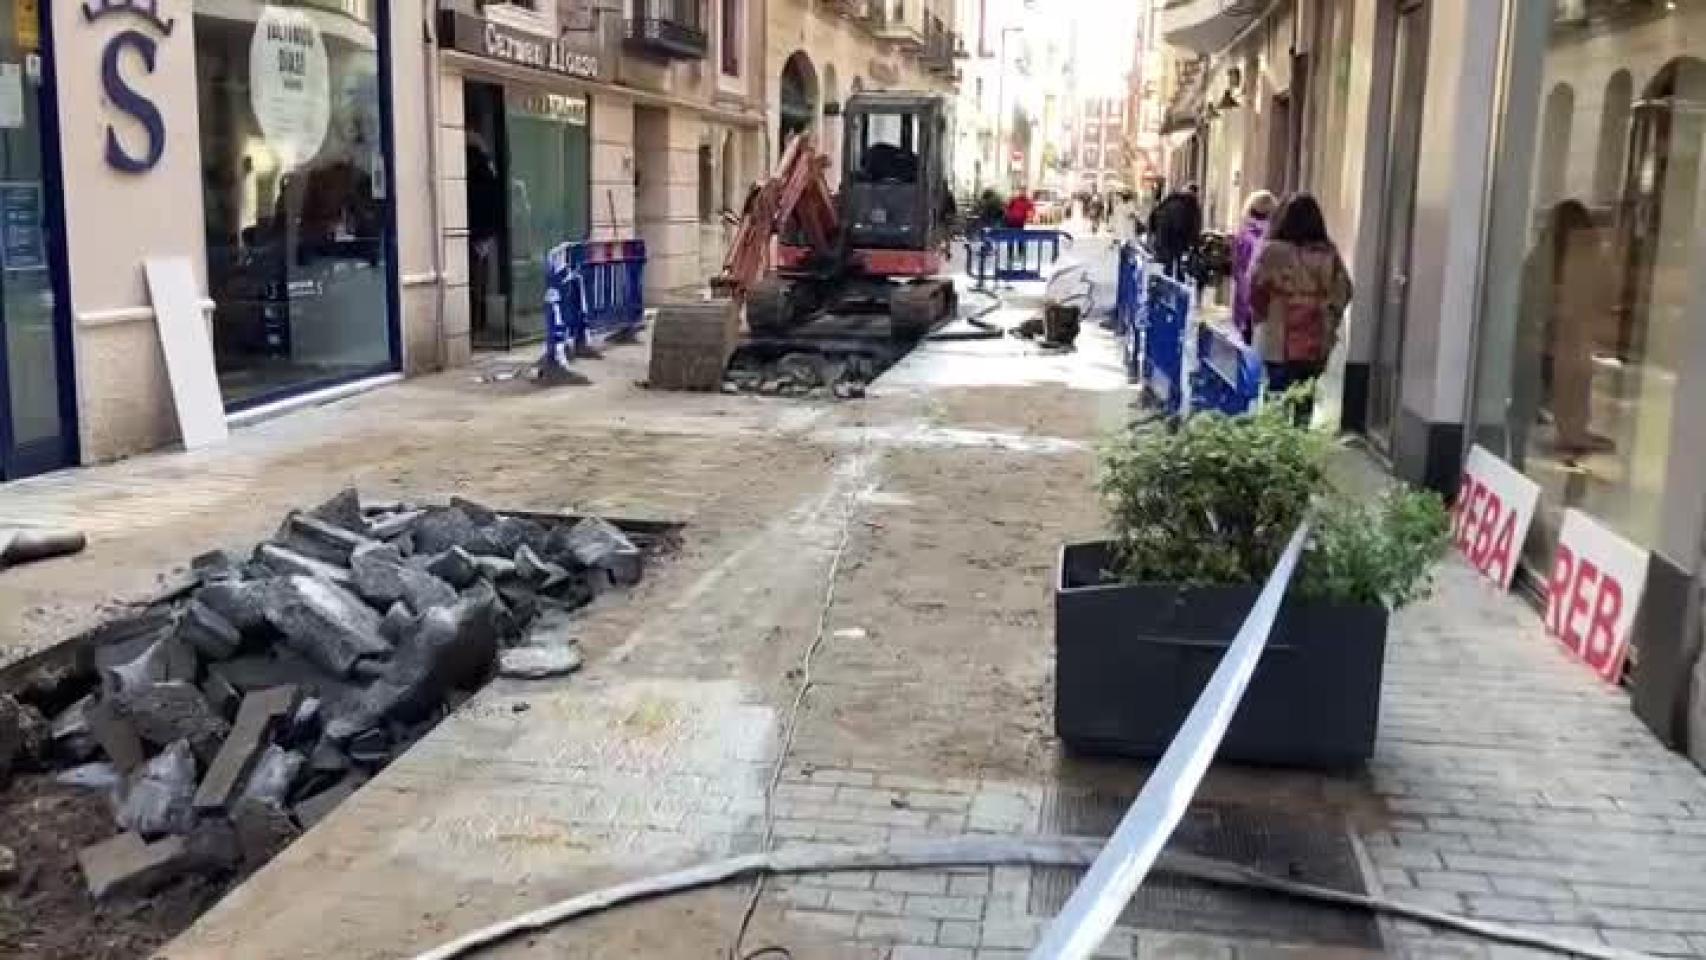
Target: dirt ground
46,913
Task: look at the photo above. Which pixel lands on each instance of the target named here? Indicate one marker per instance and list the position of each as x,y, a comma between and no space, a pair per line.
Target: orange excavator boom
795,196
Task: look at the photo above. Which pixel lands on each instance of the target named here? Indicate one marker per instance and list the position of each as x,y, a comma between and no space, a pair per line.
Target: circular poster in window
288,85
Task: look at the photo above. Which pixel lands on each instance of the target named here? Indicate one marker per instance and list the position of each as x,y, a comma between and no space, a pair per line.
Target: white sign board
1594,592
289,85
189,351
1489,521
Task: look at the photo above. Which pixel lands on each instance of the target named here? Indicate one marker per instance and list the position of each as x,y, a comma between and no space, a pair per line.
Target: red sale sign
1490,519
1594,592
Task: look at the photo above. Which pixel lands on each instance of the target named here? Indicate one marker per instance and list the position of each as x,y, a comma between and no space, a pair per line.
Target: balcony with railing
891,21
667,29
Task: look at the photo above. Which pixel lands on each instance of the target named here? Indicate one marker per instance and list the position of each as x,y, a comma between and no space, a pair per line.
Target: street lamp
1003,158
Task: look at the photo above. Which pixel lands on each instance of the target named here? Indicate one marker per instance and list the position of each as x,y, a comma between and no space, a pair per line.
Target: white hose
987,851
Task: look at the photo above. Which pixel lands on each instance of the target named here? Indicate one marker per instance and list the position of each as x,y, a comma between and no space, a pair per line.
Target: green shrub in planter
1200,512
1212,500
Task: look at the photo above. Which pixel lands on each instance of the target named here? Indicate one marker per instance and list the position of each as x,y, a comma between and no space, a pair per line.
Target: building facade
366,189
1517,189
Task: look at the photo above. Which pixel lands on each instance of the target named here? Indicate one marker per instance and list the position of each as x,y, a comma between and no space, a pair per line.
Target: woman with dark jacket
1299,289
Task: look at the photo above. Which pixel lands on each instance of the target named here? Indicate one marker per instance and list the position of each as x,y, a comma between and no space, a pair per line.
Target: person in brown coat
1299,289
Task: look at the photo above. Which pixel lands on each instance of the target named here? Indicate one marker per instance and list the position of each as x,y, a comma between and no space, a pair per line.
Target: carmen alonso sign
124,97
497,41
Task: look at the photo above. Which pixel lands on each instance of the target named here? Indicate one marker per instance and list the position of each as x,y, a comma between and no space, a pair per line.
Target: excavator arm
796,195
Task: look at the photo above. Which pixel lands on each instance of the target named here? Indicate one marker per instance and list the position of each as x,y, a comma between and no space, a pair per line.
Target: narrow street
905,543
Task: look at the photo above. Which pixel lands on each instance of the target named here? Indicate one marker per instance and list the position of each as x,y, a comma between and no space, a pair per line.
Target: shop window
295,195
1592,322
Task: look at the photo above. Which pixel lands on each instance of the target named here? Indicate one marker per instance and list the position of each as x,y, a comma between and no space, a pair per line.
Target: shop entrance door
37,425
1404,113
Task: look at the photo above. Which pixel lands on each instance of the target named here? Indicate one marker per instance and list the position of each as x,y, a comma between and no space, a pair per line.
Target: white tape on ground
1120,868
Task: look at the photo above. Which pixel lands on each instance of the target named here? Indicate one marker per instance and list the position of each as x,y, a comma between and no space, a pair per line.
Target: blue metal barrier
592,287
1007,255
1167,315
1228,375
1131,304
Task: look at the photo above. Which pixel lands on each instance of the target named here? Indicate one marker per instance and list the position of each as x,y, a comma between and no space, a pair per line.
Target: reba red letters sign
1593,593
1490,519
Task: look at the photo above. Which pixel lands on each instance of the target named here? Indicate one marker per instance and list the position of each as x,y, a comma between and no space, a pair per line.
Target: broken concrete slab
156,798
394,525
453,647
263,829
454,566
537,663
381,577
441,529
327,758
212,846
146,668
509,534
250,735
330,542
161,713
127,865
24,734
313,809
536,571
494,568
478,512
8,865
399,623
179,661
287,562
70,731
113,731
598,544
343,510
370,747
273,775
94,776
123,639
237,603
216,565
220,694
325,623
207,631
303,726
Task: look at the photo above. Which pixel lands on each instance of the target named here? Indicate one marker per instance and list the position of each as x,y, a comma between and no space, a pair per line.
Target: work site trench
163,756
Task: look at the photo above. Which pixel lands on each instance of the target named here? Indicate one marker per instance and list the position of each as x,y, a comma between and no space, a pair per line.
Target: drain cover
1281,845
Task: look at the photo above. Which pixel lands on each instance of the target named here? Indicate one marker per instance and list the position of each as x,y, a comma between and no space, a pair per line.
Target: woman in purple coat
1257,209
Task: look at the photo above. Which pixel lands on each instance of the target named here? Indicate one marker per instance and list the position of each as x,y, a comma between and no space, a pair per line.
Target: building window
707,178
730,25
295,196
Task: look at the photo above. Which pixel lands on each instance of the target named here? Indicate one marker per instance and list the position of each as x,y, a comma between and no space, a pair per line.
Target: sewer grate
1298,848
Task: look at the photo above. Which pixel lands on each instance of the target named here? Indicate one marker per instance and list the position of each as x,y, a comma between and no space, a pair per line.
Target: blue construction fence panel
594,288
1130,305
1228,375
1010,255
1167,316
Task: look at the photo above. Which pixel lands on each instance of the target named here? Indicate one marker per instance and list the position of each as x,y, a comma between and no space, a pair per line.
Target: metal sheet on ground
1273,841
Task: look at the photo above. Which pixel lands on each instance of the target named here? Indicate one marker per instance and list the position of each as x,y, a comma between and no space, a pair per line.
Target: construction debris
228,718
813,375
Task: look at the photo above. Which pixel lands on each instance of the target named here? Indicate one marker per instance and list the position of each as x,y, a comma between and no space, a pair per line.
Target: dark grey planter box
1130,660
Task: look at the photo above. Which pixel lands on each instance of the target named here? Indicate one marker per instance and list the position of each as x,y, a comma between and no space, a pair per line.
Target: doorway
37,405
1404,121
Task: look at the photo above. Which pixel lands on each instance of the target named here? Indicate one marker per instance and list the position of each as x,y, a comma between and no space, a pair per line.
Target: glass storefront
1594,247
35,415
529,161
295,193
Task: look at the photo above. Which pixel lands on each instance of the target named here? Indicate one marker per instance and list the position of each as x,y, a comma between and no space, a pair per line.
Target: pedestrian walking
1299,289
1020,209
1094,208
1174,226
1257,209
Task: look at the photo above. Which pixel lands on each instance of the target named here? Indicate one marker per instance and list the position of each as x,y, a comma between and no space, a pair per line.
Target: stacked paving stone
242,712
813,375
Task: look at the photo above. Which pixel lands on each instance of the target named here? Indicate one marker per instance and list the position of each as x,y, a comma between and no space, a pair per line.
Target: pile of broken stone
229,718
811,375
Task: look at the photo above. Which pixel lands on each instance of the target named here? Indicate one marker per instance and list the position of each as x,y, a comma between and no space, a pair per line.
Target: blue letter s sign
126,99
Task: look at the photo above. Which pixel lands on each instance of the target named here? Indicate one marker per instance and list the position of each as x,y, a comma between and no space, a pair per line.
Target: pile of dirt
215,725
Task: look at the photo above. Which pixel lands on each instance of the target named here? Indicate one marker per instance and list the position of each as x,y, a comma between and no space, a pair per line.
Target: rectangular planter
1131,659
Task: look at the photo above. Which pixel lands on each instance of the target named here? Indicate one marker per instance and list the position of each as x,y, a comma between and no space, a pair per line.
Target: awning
1207,26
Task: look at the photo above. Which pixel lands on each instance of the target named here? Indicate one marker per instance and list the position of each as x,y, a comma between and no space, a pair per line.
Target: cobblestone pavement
1508,783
